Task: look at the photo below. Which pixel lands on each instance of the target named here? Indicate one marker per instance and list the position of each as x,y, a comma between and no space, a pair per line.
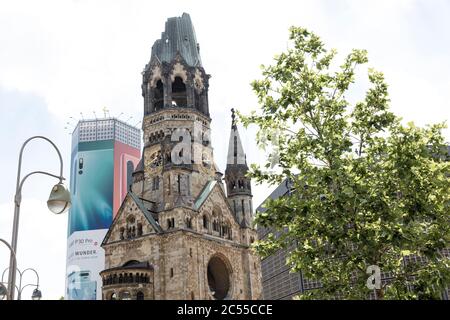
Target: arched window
113,296
131,227
159,95
189,222
139,229
179,97
155,183
122,231
140,295
205,222
125,295
215,226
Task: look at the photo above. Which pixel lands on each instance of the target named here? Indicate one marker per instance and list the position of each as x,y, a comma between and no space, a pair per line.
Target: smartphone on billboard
92,184
80,286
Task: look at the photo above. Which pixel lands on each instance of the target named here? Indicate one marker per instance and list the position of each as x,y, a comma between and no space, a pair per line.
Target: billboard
101,173
126,158
85,260
91,214
91,184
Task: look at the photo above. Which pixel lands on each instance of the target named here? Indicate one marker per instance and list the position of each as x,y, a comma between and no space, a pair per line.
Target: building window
205,222
125,295
179,98
131,227
169,186
155,183
159,95
140,295
189,223
170,223
139,229
171,272
113,296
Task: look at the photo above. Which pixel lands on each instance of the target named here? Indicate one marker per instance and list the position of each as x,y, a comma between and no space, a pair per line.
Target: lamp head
37,294
3,291
59,200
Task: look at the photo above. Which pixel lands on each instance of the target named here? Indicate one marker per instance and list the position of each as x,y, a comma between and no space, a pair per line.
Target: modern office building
278,283
277,280
105,153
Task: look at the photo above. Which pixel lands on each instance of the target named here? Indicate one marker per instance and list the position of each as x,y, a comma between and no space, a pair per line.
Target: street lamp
58,202
3,292
14,260
37,294
59,199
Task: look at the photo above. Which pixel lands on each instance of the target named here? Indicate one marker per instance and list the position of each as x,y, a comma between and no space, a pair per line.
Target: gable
132,220
212,199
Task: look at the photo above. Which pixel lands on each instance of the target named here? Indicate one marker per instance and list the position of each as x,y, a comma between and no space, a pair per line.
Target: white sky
59,58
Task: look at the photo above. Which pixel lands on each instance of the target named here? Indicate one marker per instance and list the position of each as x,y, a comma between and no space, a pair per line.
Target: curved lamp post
4,291
58,202
37,294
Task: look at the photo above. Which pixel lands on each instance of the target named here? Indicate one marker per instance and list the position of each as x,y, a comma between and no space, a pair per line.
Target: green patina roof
178,36
147,214
204,194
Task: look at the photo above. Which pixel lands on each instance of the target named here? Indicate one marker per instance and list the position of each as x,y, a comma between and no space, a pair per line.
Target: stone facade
181,233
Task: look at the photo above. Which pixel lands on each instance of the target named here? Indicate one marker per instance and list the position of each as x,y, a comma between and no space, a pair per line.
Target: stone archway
219,278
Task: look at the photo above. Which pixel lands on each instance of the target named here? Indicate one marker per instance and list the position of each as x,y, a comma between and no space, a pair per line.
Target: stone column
167,91
190,92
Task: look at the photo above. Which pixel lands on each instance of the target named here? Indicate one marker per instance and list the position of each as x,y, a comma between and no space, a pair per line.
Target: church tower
239,188
177,234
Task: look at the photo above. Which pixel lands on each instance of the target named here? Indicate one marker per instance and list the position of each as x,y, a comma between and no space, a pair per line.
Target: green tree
366,190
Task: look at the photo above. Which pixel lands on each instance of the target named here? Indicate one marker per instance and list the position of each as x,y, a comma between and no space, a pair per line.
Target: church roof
144,210
178,36
236,158
204,193
139,167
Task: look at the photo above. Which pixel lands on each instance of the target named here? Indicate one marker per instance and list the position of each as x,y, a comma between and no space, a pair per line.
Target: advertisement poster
85,259
92,180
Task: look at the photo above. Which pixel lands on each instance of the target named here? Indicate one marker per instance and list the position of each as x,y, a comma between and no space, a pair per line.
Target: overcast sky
60,58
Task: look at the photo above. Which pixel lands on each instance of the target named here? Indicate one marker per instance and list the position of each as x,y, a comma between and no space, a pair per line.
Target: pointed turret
239,190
